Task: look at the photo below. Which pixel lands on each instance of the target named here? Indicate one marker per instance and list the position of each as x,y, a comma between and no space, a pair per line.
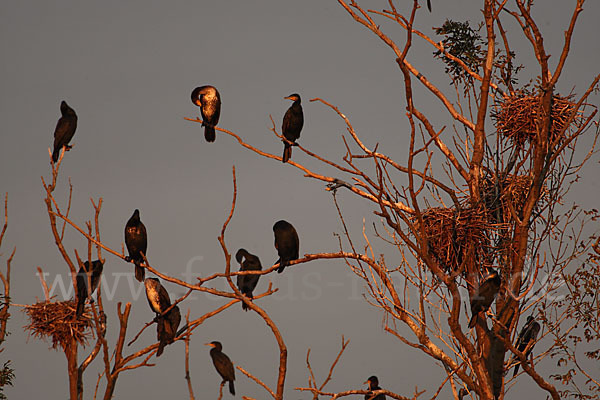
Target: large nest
517,117
499,199
58,321
455,235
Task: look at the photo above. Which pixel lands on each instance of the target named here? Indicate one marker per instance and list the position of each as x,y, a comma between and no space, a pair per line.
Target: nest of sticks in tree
455,235
58,321
517,117
499,199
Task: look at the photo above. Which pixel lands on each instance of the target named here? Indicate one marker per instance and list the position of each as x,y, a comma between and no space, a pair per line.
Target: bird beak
209,344
366,383
287,97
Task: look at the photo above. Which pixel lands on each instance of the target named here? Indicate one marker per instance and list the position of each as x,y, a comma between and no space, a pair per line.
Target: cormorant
209,100
136,241
84,276
167,324
286,243
247,283
526,339
483,298
65,129
373,383
293,120
222,364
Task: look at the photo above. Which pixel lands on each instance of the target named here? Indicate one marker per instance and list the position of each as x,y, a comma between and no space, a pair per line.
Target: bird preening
247,283
209,100
88,279
293,121
373,383
223,364
287,243
527,338
65,129
167,323
136,241
484,296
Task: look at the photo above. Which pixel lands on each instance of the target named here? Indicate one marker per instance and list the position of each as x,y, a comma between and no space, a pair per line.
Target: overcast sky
128,69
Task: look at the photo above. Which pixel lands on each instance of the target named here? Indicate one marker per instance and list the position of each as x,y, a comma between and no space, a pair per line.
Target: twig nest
517,117
58,321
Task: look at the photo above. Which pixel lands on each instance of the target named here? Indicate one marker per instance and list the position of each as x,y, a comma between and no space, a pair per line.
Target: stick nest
58,322
510,193
517,117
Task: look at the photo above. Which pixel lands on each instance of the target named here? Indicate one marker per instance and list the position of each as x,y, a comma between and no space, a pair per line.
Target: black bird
247,283
65,129
462,393
373,383
85,276
293,120
527,338
222,364
209,100
136,241
429,5
167,324
484,296
286,243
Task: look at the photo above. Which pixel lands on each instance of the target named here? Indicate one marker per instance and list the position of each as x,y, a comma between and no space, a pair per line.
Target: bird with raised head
527,338
65,129
287,243
208,99
88,279
293,121
167,323
373,383
136,240
484,296
247,283
223,364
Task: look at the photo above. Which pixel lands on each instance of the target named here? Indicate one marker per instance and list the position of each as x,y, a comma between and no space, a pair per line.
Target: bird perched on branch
87,280
222,364
527,338
65,129
209,100
247,283
373,383
286,243
293,121
167,323
136,241
484,296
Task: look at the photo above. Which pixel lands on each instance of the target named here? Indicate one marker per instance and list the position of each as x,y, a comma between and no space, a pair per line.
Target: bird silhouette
136,241
65,129
286,243
373,383
209,100
527,338
222,364
247,283
293,120
167,324
484,296
87,276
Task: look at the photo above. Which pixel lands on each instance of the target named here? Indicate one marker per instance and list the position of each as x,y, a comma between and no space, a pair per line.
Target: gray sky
128,69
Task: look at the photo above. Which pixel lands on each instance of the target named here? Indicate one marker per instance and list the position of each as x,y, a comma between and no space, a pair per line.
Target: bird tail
516,370
56,153
139,272
231,388
473,320
244,305
282,265
209,133
287,152
80,306
162,335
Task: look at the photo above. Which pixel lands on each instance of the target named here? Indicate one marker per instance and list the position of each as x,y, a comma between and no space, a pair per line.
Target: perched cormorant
526,339
247,283
222,364
483,298
293,120
65,129
136,241
286,243
84,276
373,383
167,324
209,101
